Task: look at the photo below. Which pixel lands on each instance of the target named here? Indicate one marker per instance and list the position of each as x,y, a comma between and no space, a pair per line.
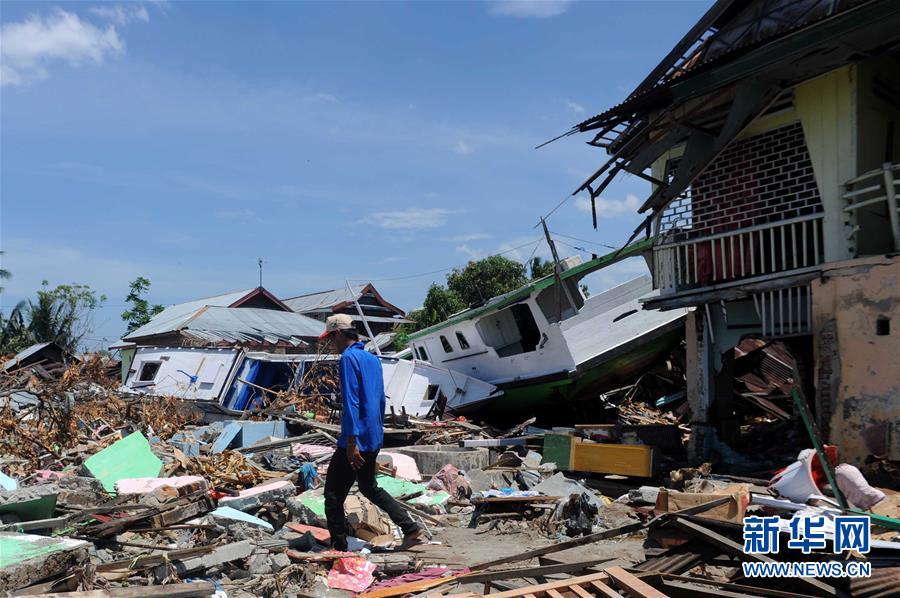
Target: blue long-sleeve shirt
362,393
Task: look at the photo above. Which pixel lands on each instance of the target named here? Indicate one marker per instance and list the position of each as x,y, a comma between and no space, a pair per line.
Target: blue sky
364,140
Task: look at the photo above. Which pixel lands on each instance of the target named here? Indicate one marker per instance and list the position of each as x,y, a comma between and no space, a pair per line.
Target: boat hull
557,398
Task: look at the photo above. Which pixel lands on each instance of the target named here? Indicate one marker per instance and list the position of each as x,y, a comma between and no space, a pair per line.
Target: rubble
132,494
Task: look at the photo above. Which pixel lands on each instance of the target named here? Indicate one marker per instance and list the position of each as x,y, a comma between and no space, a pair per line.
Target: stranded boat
233,379
544,343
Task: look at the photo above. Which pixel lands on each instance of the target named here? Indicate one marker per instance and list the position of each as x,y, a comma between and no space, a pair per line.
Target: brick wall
761,179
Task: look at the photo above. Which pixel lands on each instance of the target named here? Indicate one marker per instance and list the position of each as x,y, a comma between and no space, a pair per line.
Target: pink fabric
451,481
406,466
352,573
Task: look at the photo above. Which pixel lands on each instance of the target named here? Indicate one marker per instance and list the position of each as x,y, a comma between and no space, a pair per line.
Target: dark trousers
339,480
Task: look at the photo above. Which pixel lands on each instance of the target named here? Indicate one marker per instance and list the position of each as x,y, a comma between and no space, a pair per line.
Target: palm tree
4,274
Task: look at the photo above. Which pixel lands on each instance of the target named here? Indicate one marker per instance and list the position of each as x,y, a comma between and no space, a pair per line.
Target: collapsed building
770,133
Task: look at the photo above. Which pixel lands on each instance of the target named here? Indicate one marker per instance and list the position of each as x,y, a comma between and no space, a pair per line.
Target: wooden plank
514,499
735,549
181,590
582,593
575,542
632,585
605,590
529,572
547,587
554,594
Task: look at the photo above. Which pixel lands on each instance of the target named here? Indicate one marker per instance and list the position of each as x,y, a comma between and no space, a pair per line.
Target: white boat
545,342
236,379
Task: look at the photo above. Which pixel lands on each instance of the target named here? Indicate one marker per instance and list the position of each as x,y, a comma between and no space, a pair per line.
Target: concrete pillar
699,382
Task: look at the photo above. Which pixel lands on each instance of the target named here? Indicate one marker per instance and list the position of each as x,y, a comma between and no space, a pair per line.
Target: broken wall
856,323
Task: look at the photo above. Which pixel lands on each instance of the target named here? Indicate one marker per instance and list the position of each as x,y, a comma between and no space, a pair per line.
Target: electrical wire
512,249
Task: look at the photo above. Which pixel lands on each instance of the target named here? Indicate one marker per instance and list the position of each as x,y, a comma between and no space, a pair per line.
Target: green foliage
63,315
141,311
540,267
13,332
4,275
486,278
475,283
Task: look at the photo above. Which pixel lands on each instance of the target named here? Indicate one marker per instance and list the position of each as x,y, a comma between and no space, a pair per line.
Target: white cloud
122,14
574,108
30,46
462,148
470,252
467,237
610,208
411,218
529,9
327,98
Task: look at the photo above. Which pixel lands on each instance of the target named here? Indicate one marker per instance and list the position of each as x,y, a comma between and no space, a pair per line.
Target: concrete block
430,459
258,496
80,491
279,561
26,559
28,503
221,555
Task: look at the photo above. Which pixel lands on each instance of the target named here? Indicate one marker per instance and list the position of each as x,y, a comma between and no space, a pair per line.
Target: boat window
149,370
510,331
448,348
625,315
422,354
461,339
549,301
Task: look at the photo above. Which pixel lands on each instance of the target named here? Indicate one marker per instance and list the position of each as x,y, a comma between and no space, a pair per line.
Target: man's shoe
413,537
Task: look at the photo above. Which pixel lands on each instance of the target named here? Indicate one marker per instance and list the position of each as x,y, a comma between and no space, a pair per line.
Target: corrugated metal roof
252,325
170,318
323,299
25,354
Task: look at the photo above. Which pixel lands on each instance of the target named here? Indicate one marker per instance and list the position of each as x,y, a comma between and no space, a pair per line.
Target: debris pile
104,490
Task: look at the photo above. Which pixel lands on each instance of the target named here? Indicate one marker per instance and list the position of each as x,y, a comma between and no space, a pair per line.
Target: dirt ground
460,546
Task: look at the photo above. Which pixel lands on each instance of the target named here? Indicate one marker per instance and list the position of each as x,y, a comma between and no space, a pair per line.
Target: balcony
738,257
872,221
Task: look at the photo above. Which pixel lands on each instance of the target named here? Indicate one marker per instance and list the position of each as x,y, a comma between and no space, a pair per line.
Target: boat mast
557,270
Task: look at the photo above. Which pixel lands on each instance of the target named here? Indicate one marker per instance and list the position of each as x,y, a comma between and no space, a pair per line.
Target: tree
486,278
540,267
63,315
141,312
4,274
14,334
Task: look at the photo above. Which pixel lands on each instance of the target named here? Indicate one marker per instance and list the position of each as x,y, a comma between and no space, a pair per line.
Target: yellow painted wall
857,370
827,109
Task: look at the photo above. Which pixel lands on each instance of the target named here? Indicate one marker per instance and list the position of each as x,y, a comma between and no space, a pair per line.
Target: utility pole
363,318
259,262
557,270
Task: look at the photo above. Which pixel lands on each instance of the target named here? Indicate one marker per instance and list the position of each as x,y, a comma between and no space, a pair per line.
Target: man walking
362,433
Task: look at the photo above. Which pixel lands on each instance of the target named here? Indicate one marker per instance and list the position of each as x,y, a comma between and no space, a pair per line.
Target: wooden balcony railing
872,188
744,254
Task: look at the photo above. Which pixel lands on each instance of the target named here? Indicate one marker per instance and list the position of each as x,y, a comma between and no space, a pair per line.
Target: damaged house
770,134
237,349
380,315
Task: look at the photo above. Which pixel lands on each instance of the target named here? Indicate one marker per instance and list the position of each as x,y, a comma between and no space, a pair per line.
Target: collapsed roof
733,64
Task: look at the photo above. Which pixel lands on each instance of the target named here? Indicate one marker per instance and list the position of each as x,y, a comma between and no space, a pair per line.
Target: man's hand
353,454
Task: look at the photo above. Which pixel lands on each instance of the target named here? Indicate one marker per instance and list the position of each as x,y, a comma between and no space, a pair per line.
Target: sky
382,141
